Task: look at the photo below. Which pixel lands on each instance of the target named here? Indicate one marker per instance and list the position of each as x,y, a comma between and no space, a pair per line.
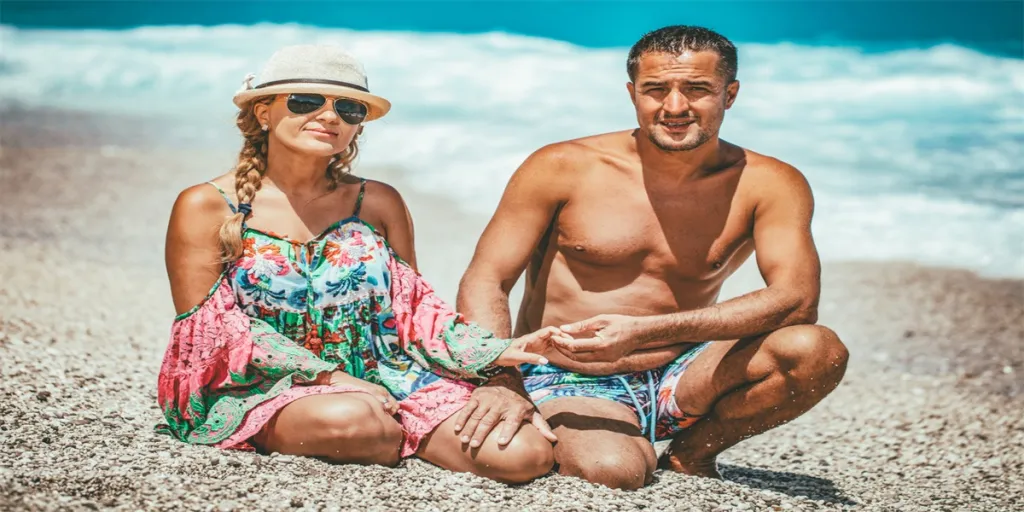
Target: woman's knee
359,428
526,457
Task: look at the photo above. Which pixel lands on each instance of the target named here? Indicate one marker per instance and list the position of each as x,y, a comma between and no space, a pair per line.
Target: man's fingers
487,423
590,357
509,427
464,414
470,427
574,328
562,342
582,345
590,324
542,426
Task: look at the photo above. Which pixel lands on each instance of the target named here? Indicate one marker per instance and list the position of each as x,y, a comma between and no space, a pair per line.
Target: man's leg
746,387
600,441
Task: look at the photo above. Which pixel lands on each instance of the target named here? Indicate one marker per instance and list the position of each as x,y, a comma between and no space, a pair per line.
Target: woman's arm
395,220
192,253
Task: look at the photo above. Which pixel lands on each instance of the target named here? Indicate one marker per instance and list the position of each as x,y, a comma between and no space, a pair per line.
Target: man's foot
706,468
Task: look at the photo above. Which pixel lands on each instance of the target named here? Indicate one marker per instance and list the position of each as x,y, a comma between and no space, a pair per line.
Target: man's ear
731,91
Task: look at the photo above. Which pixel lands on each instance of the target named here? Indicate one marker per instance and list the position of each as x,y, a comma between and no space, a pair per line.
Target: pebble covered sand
929,417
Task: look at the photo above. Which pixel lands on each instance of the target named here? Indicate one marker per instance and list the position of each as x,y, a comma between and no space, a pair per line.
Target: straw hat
320,69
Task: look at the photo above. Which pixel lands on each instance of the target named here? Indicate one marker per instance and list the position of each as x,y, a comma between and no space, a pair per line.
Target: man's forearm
748,315
485,303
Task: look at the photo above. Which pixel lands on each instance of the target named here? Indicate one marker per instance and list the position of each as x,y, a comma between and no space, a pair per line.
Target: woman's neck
296,173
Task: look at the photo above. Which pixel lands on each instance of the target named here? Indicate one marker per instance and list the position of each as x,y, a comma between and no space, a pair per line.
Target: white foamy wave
913,154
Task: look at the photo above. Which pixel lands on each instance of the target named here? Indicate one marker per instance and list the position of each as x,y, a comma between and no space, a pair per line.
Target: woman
303,334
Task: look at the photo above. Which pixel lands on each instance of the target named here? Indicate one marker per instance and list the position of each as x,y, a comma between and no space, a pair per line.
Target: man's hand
603,338
502,400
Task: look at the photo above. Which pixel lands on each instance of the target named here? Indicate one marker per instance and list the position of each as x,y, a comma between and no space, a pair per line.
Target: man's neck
679,165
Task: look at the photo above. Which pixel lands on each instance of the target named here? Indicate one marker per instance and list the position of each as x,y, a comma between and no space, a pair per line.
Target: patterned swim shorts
634,390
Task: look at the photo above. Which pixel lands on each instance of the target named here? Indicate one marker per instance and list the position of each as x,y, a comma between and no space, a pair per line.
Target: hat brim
376,106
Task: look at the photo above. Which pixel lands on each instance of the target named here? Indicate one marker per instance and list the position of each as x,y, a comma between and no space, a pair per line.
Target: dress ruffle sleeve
433,334
220,364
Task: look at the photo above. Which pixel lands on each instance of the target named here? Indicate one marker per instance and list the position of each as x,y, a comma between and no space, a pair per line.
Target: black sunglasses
350,111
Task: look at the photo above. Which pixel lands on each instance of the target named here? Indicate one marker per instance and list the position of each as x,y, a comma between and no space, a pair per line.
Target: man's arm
786,257
534,193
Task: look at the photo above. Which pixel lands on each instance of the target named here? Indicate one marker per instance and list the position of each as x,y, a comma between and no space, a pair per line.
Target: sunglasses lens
305,103
352,112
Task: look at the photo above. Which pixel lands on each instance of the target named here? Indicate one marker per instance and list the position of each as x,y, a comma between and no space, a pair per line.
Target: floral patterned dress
286,311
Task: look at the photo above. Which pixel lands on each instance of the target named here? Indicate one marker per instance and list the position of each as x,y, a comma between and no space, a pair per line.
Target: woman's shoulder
382,193
204,201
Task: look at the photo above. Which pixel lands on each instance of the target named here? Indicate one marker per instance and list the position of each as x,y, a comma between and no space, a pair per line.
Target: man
626,238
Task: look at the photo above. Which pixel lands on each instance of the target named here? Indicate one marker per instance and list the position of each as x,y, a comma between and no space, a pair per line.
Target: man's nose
675,103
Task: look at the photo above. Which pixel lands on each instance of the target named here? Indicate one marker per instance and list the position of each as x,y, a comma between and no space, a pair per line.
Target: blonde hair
252,165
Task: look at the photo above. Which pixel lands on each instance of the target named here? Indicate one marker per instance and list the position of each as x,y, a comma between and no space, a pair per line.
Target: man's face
681,99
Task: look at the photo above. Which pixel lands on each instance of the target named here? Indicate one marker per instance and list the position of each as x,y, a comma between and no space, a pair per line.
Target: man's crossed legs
707,400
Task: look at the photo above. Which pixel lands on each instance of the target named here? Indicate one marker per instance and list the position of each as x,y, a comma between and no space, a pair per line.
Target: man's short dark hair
677,39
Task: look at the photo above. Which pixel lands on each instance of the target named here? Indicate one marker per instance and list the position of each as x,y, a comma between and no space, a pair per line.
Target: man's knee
810,352
617,469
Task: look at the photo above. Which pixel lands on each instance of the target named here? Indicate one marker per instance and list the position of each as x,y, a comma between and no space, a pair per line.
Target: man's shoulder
765,170
570,154
769,179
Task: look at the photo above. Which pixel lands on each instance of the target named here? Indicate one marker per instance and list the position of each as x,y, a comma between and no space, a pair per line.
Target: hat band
312,81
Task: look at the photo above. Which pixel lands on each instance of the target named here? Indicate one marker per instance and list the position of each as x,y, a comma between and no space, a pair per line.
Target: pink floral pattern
287,311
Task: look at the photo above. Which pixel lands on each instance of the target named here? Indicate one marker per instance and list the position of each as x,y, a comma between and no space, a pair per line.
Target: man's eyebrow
650,82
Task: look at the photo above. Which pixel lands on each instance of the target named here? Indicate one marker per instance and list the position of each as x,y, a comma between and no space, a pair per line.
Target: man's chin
669,144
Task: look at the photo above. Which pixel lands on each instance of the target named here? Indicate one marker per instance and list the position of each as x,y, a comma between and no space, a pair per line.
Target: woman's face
320,132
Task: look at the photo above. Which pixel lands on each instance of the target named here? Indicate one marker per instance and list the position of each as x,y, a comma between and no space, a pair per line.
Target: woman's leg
340,427
527,456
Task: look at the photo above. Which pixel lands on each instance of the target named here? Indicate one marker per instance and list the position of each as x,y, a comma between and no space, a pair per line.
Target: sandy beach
929,417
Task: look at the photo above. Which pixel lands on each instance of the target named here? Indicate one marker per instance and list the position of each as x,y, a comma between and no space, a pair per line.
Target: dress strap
359,200
225,196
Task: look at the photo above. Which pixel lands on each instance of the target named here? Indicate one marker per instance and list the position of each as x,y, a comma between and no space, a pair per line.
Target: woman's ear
262,112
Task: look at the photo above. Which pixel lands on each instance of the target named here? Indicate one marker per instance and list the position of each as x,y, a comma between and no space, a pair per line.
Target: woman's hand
527,349
340,378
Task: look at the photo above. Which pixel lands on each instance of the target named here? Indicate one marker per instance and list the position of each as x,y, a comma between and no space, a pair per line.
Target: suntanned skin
295,201
626,239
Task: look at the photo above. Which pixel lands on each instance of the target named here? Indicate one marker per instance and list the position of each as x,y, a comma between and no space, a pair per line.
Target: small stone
43,396
296,503
235,463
